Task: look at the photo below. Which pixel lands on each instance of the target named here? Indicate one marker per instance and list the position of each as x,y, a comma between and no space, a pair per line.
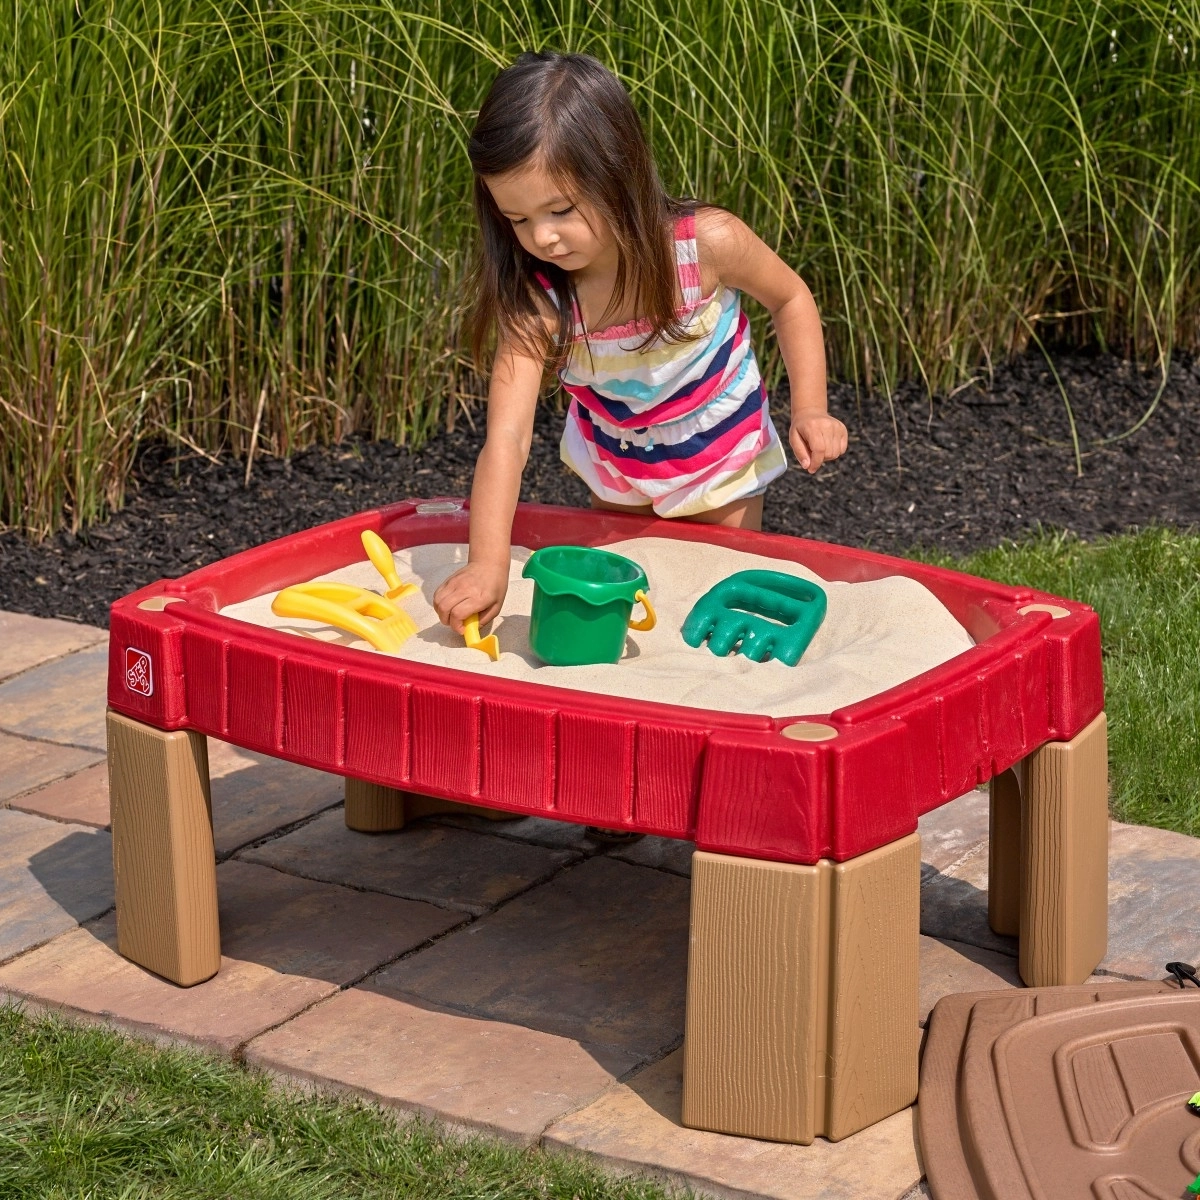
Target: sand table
875,635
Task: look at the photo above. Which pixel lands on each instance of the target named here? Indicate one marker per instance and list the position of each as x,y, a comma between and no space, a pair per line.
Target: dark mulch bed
985,464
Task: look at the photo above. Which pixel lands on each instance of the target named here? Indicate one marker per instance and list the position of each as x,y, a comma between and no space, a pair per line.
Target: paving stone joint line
1123,976
65,778
238,1053
41,741
12,958
446,821
469,919
46,662
973,852
654,1059
279,832
445,906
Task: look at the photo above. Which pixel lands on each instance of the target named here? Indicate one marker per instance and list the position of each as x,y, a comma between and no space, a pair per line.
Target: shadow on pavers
55,889
76,873
596,954
956,910
254,795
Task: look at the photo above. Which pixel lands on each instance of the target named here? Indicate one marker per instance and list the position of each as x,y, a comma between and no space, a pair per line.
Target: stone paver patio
516,977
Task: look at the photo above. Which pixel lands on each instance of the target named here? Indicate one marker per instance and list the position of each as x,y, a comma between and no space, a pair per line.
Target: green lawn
1146,588
86,1114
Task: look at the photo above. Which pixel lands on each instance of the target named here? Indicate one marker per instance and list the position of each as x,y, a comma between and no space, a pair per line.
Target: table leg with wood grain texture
1064,859
1048,858
164,864
802,1003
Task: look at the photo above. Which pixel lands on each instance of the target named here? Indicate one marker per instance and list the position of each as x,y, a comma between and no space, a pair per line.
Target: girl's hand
477,588
816,438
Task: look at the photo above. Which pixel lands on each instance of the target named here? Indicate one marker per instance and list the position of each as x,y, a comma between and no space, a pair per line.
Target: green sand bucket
582,603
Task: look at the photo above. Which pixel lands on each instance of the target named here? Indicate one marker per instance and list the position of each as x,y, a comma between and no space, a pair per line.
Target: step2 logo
139,674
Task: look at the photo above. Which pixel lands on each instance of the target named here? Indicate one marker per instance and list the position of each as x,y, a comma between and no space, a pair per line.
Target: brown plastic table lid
1057,1093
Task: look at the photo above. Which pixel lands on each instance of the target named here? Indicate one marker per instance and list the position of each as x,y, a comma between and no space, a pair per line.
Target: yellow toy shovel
490,645
372,617
379,554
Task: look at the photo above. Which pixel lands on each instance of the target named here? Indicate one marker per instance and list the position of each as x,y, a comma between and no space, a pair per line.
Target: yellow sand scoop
372,617
490,645
379,554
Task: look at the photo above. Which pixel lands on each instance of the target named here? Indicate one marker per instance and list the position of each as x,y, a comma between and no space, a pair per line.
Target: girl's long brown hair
573,115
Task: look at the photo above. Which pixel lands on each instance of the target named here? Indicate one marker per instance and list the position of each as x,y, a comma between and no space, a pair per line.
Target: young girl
588,266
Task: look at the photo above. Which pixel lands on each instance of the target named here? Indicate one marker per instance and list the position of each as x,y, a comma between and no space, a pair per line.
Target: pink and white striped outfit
682,426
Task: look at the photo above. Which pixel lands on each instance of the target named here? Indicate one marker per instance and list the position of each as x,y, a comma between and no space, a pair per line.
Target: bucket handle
650,619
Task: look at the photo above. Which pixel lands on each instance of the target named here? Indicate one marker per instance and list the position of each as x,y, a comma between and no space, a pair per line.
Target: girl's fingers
815,456
799,448
444,600
458,612
450,603
470,604
820,442
462,596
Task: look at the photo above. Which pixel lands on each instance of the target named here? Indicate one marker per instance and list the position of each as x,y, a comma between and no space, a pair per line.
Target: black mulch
982,465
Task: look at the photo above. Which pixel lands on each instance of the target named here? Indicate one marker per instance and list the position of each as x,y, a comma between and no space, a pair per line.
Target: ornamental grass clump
245,228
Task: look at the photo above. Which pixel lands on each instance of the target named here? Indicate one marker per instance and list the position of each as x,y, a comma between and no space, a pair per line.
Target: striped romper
681,426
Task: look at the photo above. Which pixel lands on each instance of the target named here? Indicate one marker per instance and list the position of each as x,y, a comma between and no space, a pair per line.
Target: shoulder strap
577,328
687,258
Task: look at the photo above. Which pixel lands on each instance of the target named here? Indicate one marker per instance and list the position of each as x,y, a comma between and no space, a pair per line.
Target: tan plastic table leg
163,858
373,808
1004,855
802,994
1064,859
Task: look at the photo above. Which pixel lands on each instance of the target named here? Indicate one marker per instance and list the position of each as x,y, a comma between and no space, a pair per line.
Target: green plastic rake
761,614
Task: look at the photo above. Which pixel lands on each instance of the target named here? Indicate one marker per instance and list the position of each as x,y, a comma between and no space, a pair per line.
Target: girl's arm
481,585
740,259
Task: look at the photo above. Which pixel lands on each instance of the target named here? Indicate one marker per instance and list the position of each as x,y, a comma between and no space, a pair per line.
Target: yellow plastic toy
490,645
372,617
380,554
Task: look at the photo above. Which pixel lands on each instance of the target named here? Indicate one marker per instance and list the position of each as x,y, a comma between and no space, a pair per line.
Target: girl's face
549,224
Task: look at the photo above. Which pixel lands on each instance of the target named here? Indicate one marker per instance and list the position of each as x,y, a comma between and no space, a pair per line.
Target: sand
875,634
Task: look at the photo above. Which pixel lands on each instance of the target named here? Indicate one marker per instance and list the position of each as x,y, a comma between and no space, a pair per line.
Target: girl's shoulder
721,239
534,334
